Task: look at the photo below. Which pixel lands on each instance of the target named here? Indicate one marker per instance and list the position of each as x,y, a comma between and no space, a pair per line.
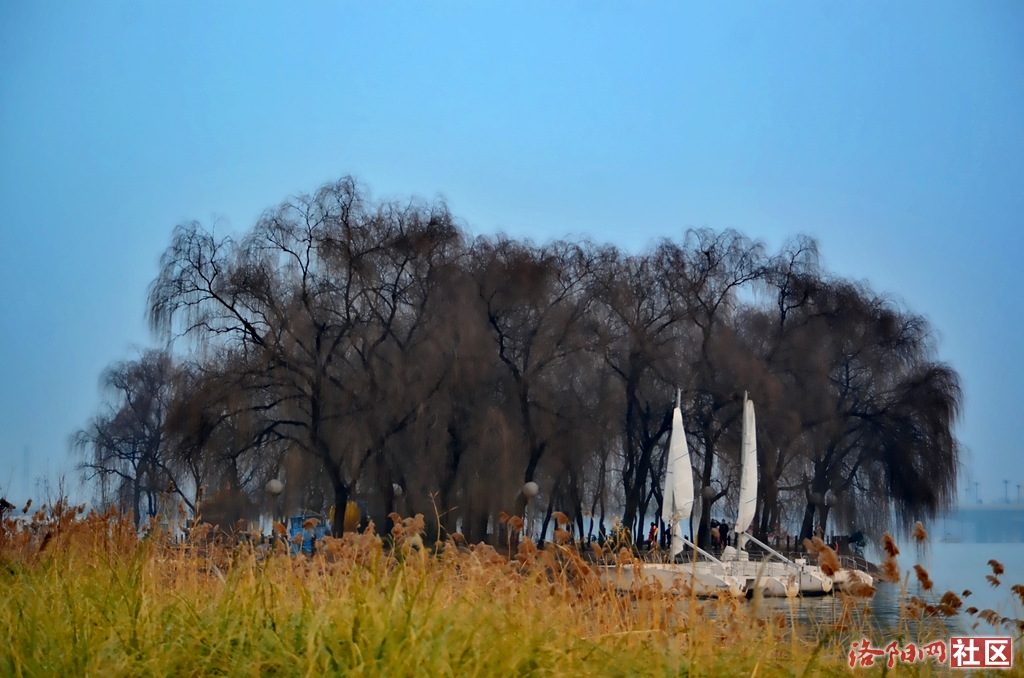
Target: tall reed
85,595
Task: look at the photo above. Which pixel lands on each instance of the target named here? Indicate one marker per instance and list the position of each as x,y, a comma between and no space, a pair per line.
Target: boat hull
779,579
847,580
698,578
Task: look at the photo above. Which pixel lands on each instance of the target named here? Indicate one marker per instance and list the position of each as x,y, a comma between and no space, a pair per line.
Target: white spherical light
275,486
397,489
530,489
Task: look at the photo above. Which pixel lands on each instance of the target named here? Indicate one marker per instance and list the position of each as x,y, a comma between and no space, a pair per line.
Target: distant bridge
981,523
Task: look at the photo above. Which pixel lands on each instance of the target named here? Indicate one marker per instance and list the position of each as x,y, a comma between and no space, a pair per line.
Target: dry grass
84,595
828,560
923,578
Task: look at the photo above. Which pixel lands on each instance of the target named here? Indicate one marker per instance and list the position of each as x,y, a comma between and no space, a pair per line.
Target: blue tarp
309,535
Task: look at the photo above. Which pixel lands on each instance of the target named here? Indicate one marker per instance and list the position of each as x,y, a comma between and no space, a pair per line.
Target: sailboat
705,578
776,575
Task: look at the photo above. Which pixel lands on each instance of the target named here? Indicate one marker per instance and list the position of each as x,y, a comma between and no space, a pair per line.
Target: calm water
955,567
952,567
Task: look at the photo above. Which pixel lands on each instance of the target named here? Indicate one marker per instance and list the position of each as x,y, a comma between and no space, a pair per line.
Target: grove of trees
372,349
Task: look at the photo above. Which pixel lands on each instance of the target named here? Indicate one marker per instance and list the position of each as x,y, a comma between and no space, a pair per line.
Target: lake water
952,567
958,566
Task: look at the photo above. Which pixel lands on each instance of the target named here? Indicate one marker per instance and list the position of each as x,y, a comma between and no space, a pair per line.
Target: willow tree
706,276
373,342
877,410
322,306
642,347
126,446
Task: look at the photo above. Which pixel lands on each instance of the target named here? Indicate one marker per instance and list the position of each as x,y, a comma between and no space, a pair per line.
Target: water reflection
884,613
958,567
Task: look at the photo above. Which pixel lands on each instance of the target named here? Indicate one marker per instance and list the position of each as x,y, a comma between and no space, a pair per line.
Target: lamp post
274,488
529,490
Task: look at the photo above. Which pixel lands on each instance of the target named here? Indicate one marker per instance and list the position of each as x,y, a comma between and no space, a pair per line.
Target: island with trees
349,347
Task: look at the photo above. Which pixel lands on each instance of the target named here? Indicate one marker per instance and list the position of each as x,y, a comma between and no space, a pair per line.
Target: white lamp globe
275,486
530,489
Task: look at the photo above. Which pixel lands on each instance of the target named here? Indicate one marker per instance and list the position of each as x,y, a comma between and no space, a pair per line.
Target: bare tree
643,347
365,347
126,446
534,302
885,440
211,424
706,275
776,335
322,307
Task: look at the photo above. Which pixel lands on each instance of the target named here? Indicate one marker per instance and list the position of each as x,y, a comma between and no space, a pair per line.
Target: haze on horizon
891,134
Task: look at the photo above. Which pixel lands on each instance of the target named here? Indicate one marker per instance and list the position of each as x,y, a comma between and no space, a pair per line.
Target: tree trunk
341,494
807,527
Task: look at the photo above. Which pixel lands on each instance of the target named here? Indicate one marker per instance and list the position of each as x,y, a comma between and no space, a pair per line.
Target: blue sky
891,132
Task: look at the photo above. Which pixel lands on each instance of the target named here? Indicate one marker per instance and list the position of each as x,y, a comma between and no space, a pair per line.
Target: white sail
705,578
678,489
748,473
